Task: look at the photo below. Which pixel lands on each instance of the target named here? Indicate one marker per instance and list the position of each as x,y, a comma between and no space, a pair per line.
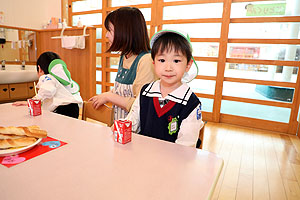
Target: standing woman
127,33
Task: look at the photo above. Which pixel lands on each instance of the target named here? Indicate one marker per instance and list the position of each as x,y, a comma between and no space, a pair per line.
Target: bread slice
3,136
30,131
19,142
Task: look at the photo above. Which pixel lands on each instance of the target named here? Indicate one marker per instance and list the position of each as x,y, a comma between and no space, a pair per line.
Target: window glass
207,104
98,33
213,10
264,30
112,77
202,86
114,62
79,6
98,62
262,72
198,30
98,47
88,19
204,49
147,13
261,92
115,3
98,75
207,68
263,51
271,113
264,9
98,89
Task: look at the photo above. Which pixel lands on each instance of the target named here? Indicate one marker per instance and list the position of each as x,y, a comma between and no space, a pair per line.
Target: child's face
110,34
170,67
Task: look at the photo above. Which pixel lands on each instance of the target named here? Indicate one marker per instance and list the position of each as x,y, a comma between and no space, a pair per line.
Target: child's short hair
169,41
130,31
45,59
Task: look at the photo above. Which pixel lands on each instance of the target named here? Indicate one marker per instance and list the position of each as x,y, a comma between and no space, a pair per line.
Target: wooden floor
258,164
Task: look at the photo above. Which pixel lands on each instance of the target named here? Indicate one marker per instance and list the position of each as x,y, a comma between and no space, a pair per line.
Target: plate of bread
15,140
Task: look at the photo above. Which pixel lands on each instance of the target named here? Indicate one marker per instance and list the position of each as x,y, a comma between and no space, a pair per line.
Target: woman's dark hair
45,59
130,31
169,41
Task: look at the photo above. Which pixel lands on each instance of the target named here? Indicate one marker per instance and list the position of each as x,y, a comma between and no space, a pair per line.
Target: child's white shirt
189,128
53,94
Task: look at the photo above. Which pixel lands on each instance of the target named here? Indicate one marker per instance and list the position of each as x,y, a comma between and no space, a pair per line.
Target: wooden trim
107,84
261,82
159,16
153,22
257,101
106,54
208,59
207,96
104,59
207,116
265,19
98,26
178,3
264,62
135,5
265,41
87,12
92,58
192,21
110,70
293,122
70,12
205,39
18,28
254,123
203,77
221,60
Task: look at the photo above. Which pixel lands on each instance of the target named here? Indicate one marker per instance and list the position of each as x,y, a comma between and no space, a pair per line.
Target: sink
15,74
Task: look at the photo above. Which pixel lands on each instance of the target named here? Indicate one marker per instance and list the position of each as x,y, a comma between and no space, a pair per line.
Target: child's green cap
193,72
58,69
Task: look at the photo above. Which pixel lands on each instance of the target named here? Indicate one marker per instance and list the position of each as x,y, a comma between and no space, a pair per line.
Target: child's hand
99,100
20,103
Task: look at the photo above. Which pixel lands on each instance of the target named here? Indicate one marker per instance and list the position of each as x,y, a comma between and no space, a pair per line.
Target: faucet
3,64
23,64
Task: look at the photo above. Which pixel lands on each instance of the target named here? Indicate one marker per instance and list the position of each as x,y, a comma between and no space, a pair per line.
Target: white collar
180,95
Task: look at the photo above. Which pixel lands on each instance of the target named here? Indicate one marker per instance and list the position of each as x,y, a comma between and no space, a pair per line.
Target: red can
34,106
122,131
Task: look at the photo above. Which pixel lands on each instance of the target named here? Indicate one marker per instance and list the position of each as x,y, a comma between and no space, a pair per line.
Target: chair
103,114
201,137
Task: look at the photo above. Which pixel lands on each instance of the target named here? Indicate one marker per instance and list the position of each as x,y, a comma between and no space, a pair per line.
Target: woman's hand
100,99
110,97
20,103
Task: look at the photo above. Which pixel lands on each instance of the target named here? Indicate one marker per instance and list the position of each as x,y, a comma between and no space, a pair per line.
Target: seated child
167,109
57,91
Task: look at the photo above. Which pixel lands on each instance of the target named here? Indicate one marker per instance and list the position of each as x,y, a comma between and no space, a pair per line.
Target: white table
93,166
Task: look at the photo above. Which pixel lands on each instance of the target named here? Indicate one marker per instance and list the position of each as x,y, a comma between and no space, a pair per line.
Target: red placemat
47,144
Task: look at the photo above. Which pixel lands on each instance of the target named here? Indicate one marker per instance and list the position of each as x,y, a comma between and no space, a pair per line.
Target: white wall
29,13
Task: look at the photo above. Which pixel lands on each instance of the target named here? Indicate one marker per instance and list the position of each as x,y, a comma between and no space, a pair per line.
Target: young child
127,33
167,109
57,91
